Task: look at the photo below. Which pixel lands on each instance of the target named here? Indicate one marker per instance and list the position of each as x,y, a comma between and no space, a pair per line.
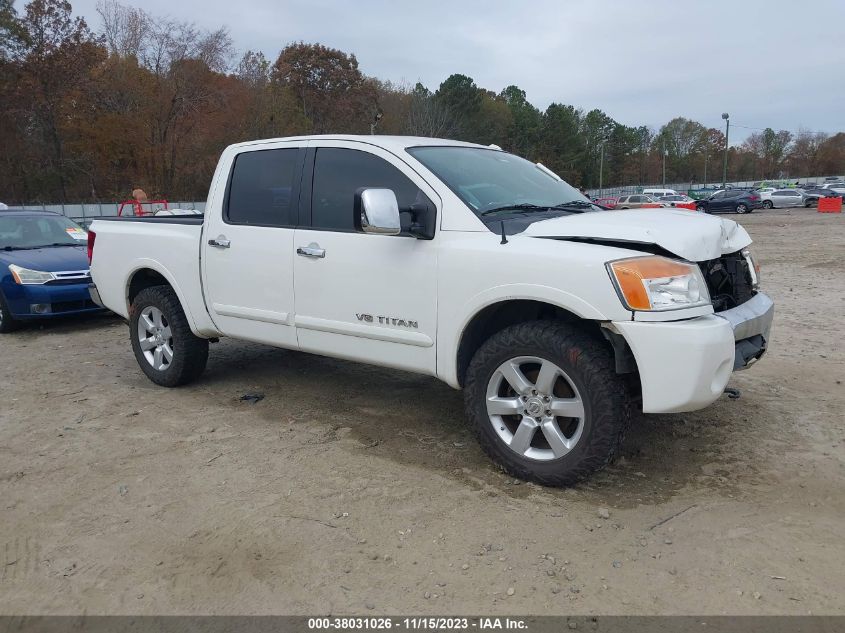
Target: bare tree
429,116
124,27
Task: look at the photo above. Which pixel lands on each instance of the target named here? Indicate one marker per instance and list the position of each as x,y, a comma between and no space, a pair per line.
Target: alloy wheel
535,408
155,338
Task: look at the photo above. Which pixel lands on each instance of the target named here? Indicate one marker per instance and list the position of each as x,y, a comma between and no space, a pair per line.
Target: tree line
150,102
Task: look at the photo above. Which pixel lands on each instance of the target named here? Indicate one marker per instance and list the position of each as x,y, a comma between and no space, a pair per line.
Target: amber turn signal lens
631,273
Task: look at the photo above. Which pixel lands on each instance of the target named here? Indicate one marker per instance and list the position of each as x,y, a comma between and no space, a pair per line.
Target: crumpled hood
694,236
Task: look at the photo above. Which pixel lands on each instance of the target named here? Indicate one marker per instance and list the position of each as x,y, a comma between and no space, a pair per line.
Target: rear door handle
220,242
312,250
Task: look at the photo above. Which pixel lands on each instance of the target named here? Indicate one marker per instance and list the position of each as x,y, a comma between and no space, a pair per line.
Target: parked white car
453,260
675,199
838,187
782,198
659,193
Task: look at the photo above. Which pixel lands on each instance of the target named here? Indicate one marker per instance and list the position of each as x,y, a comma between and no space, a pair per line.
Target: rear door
363,296
722,201
248,249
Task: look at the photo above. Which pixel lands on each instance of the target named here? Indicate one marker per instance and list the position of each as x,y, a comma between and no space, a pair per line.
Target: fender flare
157,267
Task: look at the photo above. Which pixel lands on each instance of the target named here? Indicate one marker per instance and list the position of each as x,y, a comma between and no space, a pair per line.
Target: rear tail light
753,197
91,237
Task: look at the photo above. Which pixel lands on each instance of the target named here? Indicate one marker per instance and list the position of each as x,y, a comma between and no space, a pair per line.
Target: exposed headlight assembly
26,277
655,283
753,268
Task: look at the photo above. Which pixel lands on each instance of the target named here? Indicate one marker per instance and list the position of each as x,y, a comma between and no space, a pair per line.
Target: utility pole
601,172
727,119
664,162
706,151
601,168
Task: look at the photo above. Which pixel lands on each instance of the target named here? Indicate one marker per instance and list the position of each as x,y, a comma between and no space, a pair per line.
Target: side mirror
377,211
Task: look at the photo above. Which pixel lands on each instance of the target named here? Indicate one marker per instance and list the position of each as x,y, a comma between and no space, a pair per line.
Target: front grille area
728,280
66,281
69,306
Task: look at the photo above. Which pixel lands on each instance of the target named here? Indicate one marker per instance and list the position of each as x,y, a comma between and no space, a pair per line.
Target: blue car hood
56,259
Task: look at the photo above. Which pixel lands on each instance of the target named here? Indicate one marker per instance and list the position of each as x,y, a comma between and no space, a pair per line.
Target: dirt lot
353,489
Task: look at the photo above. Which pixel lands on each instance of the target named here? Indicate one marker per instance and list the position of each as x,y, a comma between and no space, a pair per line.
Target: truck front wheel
165,348
546,403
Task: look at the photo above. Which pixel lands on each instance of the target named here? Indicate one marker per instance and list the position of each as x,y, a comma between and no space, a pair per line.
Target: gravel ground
353,489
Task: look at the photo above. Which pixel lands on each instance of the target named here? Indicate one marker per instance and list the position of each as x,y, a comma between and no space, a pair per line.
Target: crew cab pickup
557,319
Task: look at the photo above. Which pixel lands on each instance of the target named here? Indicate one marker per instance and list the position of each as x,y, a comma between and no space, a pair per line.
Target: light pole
376,119
706,151
601,167
727,119
664,162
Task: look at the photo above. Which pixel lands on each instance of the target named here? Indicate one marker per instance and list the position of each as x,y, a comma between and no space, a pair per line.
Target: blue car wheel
7,322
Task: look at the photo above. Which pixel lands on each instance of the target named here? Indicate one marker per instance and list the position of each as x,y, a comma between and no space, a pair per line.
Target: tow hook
733,394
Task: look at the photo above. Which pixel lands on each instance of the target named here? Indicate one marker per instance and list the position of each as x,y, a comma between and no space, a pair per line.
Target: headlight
657,283
753,268
26,277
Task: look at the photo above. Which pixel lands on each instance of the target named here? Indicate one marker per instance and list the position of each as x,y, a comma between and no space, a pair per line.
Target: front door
363,296
248,246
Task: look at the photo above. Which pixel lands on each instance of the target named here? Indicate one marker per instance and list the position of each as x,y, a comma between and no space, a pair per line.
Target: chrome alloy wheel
528,394
155,338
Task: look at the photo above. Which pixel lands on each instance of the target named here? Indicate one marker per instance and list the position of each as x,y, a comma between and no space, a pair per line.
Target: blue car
43,268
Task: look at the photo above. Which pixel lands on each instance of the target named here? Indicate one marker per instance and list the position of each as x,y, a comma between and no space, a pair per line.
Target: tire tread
191,357
595,365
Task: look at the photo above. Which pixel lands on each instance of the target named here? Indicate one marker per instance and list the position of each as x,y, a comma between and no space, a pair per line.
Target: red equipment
138,207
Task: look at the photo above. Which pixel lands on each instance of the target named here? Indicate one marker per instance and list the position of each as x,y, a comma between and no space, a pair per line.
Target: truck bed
168,246
158,219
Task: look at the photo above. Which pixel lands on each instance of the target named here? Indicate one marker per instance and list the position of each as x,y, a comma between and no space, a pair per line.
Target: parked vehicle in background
452,260
812,195
658,193
834,179
674,200
638,201
43,268
608,203
4,206
783,198
836,186
727,200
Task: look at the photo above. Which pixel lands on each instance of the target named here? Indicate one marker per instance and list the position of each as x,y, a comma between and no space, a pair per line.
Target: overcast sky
773,63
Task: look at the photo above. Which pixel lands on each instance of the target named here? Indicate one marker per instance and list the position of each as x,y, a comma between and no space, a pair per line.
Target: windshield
488,180
34,231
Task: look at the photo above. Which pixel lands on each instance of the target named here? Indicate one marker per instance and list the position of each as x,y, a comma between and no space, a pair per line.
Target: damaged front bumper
752,324
685,365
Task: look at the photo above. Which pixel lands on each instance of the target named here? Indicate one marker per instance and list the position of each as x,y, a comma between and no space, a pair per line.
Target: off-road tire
7,322
589,364
190,352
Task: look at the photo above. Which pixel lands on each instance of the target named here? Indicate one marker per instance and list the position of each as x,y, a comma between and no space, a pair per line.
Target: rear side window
339,173
261,188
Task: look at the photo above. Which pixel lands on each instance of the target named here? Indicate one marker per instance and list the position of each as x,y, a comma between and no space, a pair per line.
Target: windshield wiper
54,245
572,205
516,207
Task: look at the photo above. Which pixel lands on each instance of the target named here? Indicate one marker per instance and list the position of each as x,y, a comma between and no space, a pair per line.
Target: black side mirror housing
422,221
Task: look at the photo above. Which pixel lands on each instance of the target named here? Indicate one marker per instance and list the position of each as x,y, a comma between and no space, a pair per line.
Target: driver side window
340,172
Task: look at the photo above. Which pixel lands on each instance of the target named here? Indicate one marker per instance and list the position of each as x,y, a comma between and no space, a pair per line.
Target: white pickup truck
556,318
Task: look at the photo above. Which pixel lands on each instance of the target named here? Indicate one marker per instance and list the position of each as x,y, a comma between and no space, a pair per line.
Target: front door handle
220,242
312,250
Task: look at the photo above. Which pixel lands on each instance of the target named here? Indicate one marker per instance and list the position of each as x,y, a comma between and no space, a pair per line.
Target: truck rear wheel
546,403
165,348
